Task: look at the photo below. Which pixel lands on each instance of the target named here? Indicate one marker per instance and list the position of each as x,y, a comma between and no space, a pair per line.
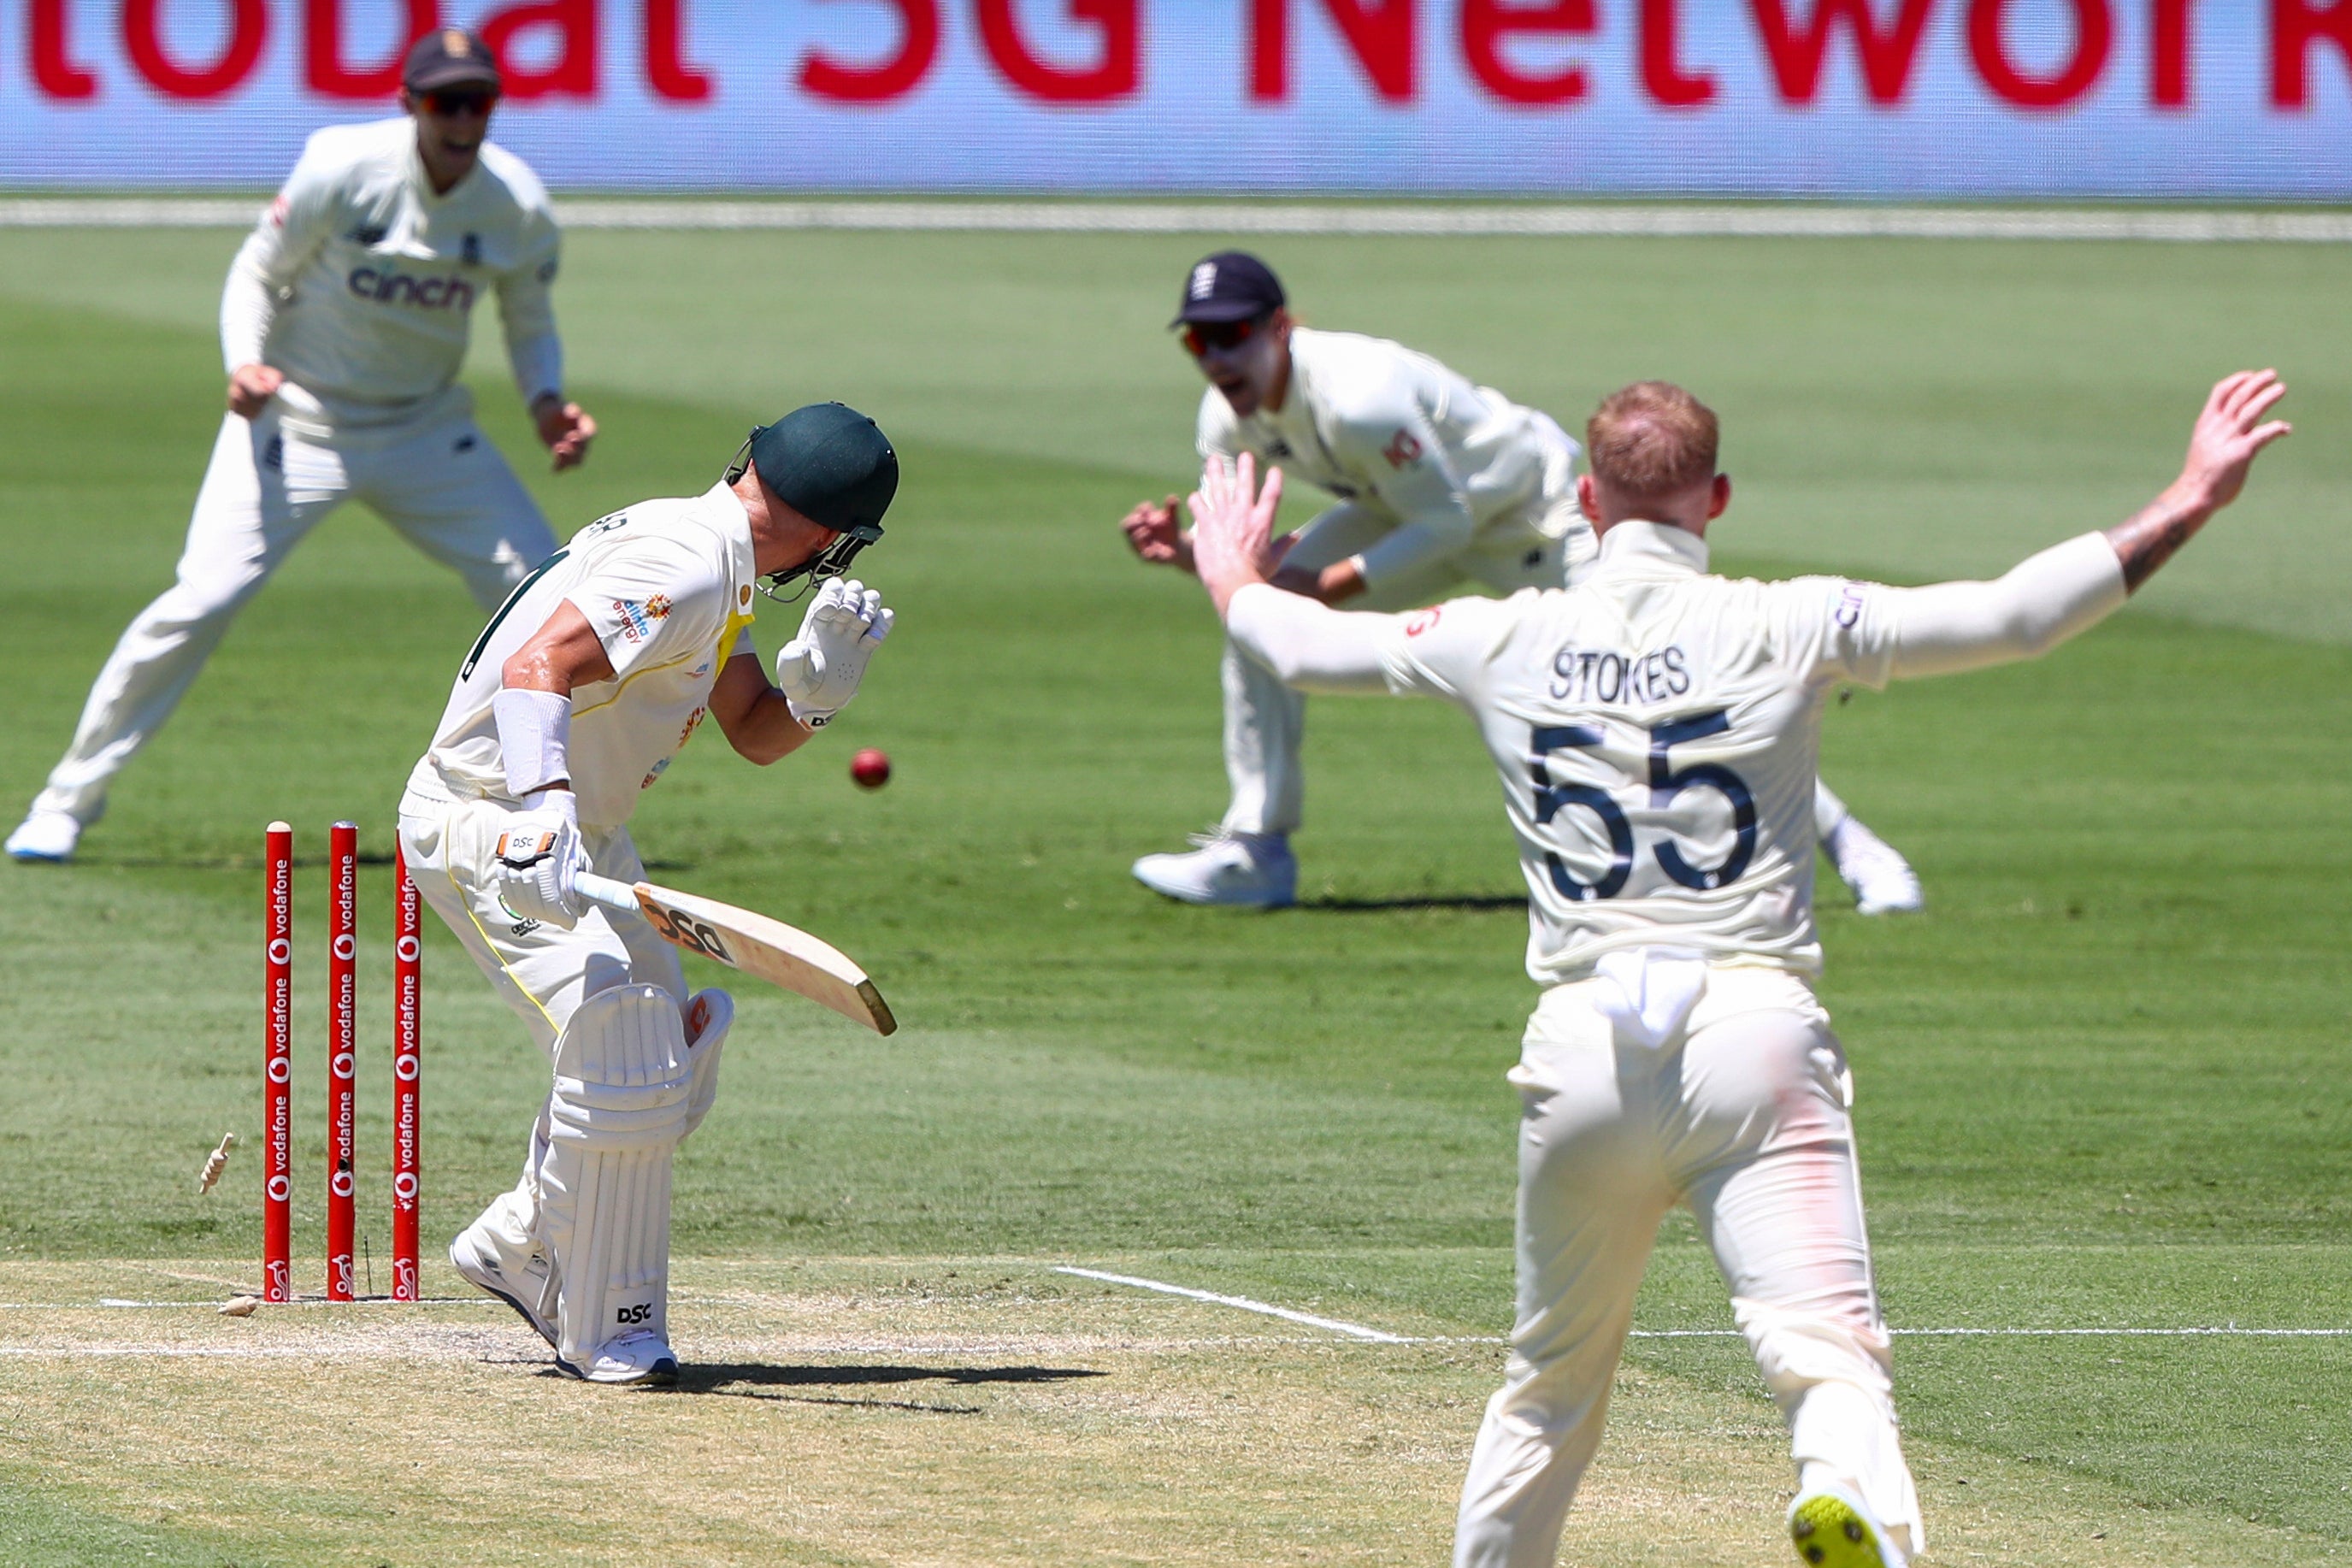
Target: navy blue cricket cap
1231,286
449,57
829,463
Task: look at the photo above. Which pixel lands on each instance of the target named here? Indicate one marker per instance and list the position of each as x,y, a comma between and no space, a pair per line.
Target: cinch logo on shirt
398,287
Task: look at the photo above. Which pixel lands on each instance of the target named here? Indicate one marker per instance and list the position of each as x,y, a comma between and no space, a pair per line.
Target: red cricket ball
870,768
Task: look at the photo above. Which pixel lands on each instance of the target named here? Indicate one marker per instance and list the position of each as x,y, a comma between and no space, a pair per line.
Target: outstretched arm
1305,644
2049,597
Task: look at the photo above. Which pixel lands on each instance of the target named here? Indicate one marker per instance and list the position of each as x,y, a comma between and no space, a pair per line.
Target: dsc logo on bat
679,927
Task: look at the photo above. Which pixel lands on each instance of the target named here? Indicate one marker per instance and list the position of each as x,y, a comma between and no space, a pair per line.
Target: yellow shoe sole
1829,1533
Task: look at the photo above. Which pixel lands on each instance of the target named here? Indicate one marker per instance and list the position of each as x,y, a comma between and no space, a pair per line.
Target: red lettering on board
142,40
1378,32
1797,53
919,46
572,74
2167,64
2295,26
1661,73
1114,74
53,71
325,70
2094,37
665,71
1488,24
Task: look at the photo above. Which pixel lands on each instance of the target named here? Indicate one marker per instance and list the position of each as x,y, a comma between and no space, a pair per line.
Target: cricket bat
765,949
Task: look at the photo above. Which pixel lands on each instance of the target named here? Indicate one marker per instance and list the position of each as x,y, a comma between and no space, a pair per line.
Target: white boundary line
1381,1336
1651,220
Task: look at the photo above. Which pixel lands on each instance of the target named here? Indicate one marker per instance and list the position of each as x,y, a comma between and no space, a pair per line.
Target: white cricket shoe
497,1255
1882,880
49,836
1833,1528
639,1357
1252,871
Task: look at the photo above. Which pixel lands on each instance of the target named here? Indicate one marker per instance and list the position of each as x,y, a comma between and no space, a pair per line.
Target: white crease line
1763,219
1378,1336
298,1302
1353,1331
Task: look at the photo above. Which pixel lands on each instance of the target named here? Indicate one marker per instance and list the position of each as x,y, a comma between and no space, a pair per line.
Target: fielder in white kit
1443,487
1655,729
587,682
343,324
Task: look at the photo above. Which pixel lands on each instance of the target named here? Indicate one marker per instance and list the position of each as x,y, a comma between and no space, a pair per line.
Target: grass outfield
2101,1081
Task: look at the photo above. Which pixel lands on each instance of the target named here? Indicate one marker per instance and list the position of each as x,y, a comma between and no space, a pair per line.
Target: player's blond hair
1651,439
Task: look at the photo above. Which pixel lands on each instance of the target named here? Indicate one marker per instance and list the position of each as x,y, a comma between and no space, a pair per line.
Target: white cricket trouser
542,972
1743,1119
437,480
1266,720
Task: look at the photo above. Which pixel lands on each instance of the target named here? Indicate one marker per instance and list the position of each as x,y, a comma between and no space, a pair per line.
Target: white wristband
535,729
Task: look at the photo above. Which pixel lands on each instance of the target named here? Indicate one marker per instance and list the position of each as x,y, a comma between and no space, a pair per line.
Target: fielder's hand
818,672
1155,535
565,429
1233,526
251,386
2230,430
540,860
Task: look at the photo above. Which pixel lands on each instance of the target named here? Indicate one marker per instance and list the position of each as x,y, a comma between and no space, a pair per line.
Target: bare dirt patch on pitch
906,1412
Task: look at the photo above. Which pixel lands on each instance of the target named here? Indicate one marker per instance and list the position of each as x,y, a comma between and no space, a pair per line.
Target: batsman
570,703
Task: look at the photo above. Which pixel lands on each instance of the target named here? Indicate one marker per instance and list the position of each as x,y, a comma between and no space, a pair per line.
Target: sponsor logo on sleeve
1402,450
1422,621
635,624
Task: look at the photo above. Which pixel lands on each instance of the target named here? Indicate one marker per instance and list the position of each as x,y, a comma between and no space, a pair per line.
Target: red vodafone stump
278,1064
407,1005
343,1050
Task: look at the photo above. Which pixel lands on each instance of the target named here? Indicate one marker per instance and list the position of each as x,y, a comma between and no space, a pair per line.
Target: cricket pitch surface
899,1411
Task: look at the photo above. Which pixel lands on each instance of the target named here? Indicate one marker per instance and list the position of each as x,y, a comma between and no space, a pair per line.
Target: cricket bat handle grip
619,896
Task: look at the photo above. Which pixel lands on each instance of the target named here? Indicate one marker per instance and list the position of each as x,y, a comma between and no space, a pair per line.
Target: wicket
343,1057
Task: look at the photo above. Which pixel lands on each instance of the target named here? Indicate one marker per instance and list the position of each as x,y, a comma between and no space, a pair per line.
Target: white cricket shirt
1371,420
1657,731
360,282
668,585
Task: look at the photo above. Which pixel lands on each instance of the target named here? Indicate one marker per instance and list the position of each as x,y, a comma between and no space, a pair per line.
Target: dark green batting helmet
834,466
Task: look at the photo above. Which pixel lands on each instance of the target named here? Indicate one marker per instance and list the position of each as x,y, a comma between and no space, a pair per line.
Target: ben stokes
1665,831
1442,486
569,705
343,324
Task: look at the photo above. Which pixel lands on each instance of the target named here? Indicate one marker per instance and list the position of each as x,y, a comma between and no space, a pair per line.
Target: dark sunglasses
1221,337
461,101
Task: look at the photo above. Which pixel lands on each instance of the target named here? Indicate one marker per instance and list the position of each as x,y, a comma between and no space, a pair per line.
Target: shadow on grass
757,1380
1471,902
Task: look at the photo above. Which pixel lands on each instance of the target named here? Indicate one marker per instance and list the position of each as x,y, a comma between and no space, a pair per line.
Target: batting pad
623,1082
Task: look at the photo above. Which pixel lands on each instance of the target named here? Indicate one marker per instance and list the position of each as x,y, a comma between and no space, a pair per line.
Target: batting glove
539,859
818,672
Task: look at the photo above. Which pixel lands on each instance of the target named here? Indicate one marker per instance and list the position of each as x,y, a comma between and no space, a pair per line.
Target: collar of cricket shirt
734,524
1639,547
